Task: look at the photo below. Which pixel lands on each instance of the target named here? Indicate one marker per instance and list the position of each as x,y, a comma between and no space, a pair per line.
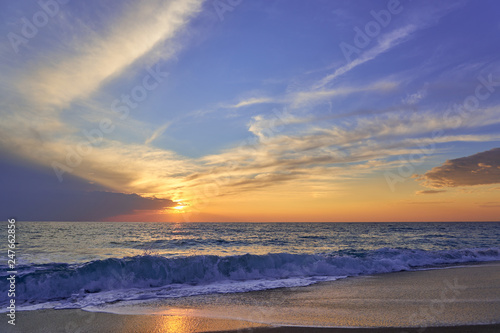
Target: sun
180,206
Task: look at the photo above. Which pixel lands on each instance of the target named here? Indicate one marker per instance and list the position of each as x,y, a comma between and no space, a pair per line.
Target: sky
239,110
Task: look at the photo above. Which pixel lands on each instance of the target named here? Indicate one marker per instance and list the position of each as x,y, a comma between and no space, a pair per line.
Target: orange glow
372,201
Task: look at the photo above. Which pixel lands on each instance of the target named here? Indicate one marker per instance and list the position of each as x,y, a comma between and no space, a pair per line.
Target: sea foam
145,277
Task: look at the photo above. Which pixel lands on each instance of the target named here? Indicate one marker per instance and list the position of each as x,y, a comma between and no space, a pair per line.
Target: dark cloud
478,169
429,192
33,193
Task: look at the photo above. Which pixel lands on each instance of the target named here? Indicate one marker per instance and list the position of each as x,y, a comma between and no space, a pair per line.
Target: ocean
63,265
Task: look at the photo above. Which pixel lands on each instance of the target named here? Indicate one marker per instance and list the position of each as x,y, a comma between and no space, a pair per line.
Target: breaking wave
145,277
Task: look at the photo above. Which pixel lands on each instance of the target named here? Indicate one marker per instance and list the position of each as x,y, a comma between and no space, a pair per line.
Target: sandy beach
59,321
459,298
66,321
448,329
265,166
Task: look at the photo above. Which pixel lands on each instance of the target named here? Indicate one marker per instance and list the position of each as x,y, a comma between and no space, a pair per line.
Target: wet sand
458,298
72,321
448,329
59,321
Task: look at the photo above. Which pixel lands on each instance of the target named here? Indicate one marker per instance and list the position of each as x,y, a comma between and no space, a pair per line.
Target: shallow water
84,264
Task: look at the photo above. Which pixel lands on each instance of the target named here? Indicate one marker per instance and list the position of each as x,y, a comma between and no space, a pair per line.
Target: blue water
80,264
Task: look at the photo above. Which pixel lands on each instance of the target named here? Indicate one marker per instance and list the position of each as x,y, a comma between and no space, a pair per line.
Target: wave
142,277
175,243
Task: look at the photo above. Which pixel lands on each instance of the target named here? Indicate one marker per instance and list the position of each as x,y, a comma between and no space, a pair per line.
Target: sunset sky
250,110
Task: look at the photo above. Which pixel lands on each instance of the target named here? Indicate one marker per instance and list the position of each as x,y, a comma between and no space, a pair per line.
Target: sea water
88,264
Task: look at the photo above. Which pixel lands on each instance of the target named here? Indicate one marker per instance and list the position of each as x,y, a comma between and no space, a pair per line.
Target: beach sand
458,298
73,321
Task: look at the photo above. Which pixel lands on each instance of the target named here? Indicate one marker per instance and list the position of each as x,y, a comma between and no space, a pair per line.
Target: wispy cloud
253,101
52,82
415,97
428,202
422,19
385,43
62,79
158,132
301,98
327,152
316,92
294,147
429,192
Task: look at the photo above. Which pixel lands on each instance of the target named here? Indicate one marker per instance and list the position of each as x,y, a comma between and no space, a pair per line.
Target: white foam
146,277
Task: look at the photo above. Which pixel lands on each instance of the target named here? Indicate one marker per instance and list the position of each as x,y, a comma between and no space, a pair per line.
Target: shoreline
76,320
487,328
454,299
66,321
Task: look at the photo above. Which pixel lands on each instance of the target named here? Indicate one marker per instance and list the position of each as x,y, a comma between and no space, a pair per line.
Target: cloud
253,101
315,92
266,126
421,18
478,169
106,54
78,205
285,147
299,149
44,96
158,132
33,195
386,43
47,108
428,202
429,192
304,97
416,97
300,98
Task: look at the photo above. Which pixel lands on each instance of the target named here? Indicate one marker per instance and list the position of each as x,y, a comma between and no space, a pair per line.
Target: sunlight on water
72,242
81,264
180,324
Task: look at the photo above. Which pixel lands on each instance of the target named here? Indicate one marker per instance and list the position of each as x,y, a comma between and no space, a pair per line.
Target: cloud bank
478,169
32,195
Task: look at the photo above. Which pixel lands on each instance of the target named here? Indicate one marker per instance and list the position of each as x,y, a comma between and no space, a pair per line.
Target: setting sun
359,127
197,166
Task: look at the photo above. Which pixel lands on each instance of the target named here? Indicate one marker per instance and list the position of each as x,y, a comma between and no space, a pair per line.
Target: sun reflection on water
178,324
